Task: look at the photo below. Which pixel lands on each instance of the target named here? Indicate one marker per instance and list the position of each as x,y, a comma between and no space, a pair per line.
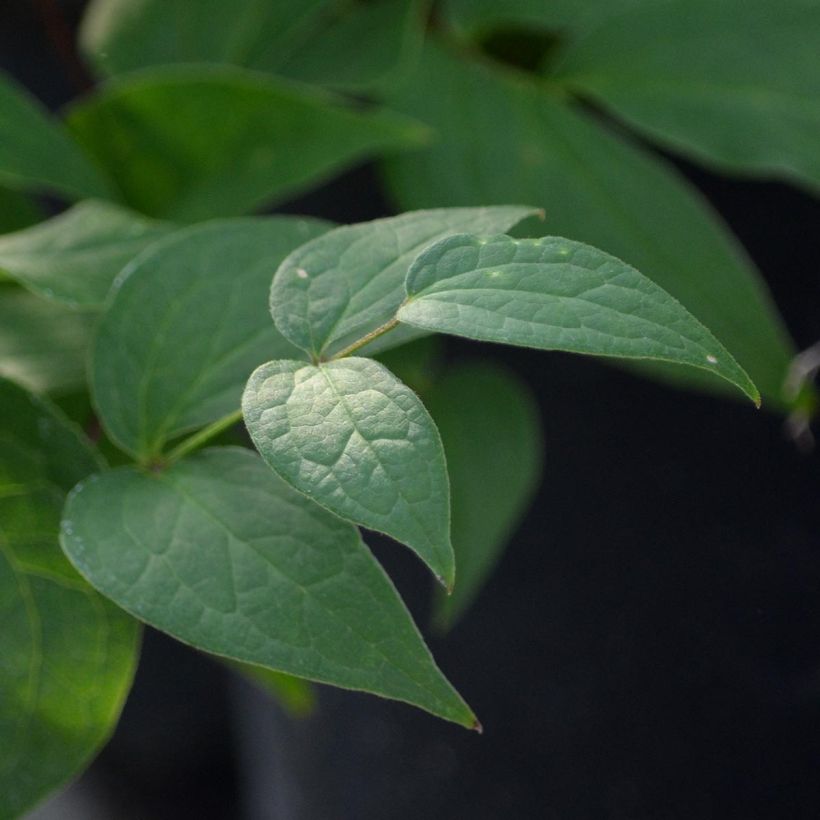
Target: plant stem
203,436
366,339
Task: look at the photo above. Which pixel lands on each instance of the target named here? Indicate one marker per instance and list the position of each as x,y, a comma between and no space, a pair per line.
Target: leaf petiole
203,436
366,339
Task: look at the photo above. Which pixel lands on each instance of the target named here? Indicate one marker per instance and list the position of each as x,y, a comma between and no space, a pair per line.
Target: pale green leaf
74,257
295,695
220,553
334,290
37,154
191,142
595,188
186,325
43,346
735,83
554,294
356,440
492,439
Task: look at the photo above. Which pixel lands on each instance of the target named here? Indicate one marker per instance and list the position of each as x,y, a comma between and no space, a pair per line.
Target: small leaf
339,287
734,84
42,345
555,294
37,154
186,325
356,440
222,554
492,439
74,257
295,695
187,143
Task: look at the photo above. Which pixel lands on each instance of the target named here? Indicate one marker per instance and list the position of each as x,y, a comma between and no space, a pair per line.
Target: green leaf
192,142
37,154
186,325
333,42
334,290
734,84
492,439
42,345
16,211
74,257
554,294
295,695
68,657
356,440
220,553
595,188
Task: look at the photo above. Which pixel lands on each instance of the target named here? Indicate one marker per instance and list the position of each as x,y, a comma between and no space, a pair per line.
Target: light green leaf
74,257
186,326
36,153
16,211
735,84
353,438
492,439
192,142
334,290
295,695
42,345
67,656
555,294
595,188
222,554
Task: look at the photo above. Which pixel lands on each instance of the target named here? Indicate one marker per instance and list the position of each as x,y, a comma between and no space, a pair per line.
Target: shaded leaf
356,440
74,257
16,211
220,553
295,695
186,325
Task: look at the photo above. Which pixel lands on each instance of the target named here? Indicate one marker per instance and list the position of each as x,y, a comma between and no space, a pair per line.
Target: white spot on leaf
711,359
302,273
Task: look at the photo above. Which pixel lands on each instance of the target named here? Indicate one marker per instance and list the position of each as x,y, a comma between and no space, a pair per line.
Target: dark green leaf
356,440
189,142
222,554
186,326
74,257
16,211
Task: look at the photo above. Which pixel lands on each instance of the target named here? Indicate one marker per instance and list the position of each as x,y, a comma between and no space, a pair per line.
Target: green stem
203,436
366,339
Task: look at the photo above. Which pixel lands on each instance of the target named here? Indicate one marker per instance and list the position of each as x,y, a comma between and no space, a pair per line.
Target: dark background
648,648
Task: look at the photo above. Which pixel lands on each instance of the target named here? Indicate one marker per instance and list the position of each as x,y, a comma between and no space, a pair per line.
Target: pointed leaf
220,553
356,440
492,439
339,287
74,257
37,154
555,294
188,143
734,84
187,325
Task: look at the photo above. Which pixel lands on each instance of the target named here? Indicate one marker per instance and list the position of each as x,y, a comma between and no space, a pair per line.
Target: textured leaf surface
735,83
186,326
74,257
189,143
67,655
339,287
222,554
37,154
351,436
595,188
42,345
492,438
554,294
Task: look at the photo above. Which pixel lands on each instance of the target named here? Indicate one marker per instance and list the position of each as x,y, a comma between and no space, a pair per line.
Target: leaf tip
476,726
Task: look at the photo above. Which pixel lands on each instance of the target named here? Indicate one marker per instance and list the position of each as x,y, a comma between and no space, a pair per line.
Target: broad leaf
339,287
67,655
186,325
37,154
595,188
16,211
222,554
356,440
492,439
74,257
189,143
734,83
554,294
42,345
